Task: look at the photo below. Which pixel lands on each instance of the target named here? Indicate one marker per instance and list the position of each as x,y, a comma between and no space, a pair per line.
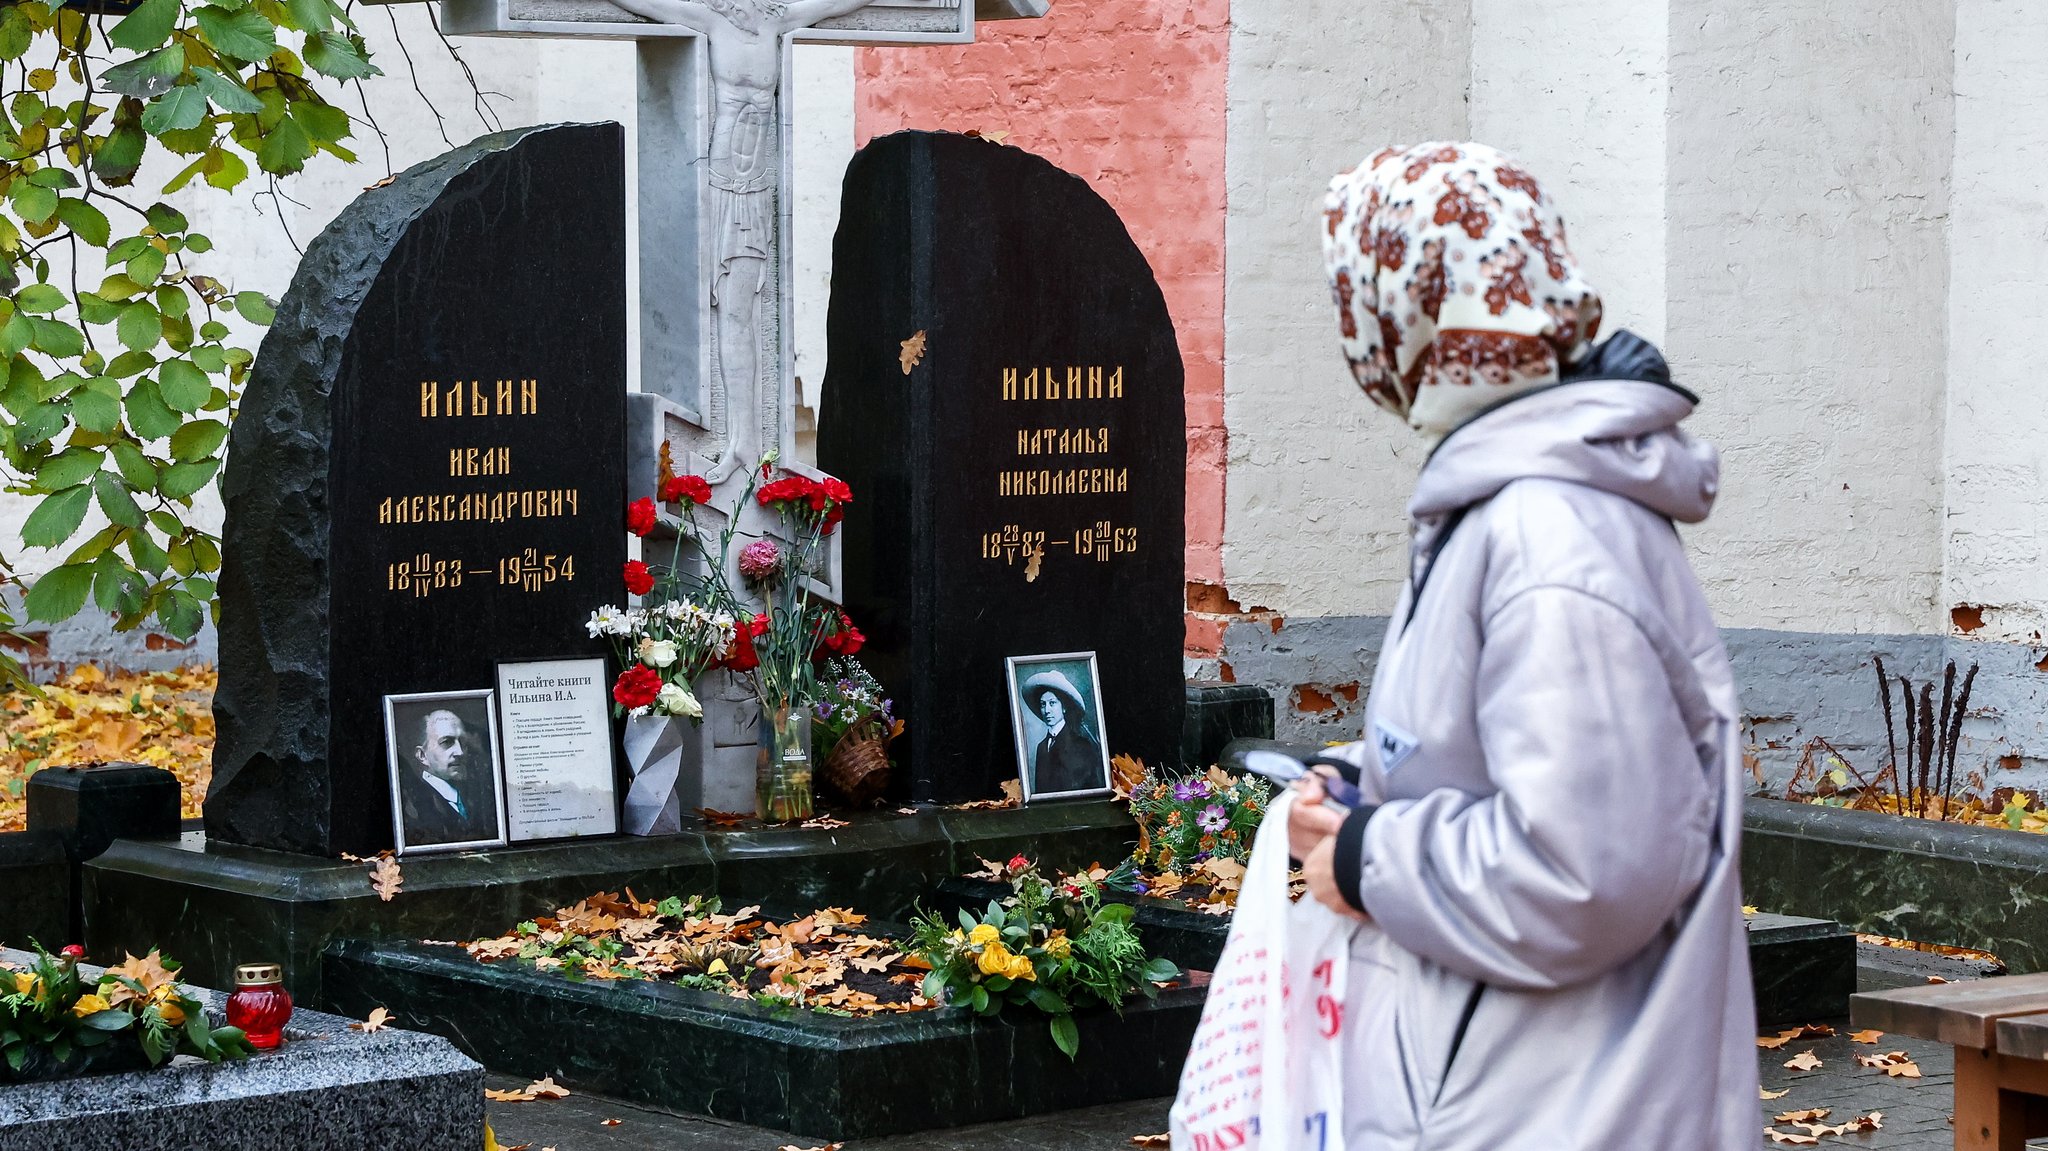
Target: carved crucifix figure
743,166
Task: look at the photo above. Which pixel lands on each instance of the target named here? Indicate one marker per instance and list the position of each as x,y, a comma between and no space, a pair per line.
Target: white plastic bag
1265,1072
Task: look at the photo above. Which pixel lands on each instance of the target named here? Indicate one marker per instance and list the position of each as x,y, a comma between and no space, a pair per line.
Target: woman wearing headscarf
1547,855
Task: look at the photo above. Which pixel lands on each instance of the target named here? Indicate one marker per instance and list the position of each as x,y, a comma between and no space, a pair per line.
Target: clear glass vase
782,767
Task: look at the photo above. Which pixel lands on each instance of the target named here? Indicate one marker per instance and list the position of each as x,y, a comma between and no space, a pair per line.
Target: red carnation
743,657
637,686
640,516
837,491
639,580
692,488
73,952
1019,863
845,639
787,490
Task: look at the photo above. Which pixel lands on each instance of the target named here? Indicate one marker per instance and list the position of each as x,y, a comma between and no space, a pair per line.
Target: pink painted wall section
1129,95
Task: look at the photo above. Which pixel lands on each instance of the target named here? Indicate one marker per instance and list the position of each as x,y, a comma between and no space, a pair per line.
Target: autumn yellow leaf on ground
379,1018
1866,1037
1792,1137
1765,1094
1804,1061
1773,1042
1896,1064
158,719
1810,1115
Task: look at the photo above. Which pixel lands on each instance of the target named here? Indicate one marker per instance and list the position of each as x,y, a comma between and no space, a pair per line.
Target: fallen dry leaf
822,823
1871,1122
1804,1061
497,1096
378,1020
1033,560
1163,1139
385,878
1772,1043
906,811
1936,979
912,353
608,1123
1763,1093
1866,1037
1792,1137
1125,774
1013,790
724,818
826,1147
1810,1115
1893,1063
547,1089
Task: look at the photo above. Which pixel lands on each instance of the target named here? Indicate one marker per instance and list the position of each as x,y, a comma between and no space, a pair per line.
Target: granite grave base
1800,969
1956,884
214,905
820,1076
326,1087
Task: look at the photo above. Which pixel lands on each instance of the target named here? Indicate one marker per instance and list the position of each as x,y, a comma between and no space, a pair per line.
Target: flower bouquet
1193,832
1053,947
706,622
53,1024
851,726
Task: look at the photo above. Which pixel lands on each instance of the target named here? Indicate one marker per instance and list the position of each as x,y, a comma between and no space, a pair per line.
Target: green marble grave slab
820,1076
1800,969
1962,885
214,905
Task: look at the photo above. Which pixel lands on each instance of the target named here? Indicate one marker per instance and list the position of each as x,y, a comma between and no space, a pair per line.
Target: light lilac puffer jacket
1557,960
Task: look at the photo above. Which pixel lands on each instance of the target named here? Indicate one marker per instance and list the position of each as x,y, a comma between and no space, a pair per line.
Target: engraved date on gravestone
482,486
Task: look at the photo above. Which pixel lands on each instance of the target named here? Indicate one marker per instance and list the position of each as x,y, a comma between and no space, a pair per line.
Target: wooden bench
1999,1029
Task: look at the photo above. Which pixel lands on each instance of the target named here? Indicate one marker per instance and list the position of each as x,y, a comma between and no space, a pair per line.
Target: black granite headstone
427,473
1045,419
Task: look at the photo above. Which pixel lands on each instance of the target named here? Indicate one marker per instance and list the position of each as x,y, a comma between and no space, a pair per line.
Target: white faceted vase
654,757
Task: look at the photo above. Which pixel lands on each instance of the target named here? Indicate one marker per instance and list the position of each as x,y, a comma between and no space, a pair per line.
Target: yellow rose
88,1004
26,983
995,959
984,933
1059,946
1020,969
164,997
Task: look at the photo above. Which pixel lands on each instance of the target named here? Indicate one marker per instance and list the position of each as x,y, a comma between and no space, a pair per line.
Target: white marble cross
716,379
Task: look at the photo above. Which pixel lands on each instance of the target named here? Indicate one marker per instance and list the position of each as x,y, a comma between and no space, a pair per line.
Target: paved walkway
1916,1111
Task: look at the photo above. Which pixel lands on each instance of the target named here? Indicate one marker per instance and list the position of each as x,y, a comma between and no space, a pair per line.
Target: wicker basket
858,767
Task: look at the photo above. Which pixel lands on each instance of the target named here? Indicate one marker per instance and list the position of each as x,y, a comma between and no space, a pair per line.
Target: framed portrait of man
447,793
1056,709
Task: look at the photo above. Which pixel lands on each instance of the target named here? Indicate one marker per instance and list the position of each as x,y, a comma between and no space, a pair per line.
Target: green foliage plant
50,1014
118,372
1047,947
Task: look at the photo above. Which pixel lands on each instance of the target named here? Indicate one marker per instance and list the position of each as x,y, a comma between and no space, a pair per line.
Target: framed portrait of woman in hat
1056,708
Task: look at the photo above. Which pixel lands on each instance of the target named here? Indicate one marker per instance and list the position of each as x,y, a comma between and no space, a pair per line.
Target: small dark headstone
1220,712
426,475
85,809
1044,418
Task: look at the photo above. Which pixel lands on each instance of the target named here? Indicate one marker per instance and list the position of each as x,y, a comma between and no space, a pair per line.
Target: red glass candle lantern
260,1004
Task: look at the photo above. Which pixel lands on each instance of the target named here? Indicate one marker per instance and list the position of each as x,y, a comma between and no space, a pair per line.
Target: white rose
657,652
677,700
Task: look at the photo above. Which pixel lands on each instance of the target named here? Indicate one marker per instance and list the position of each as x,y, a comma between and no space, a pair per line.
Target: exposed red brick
1226,672
1967,617
1308,699
1211,599
2009,761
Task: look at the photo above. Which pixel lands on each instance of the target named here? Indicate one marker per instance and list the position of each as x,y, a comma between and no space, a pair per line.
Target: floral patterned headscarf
1454,286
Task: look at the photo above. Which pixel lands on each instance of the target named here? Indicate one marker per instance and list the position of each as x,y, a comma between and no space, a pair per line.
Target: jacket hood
1618,435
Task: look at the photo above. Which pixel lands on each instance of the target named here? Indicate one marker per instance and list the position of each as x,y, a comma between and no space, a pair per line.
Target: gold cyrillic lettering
430,399
1116,383
1009,383
529,397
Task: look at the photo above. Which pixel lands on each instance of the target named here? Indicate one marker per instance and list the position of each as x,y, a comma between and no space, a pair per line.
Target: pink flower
760,559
